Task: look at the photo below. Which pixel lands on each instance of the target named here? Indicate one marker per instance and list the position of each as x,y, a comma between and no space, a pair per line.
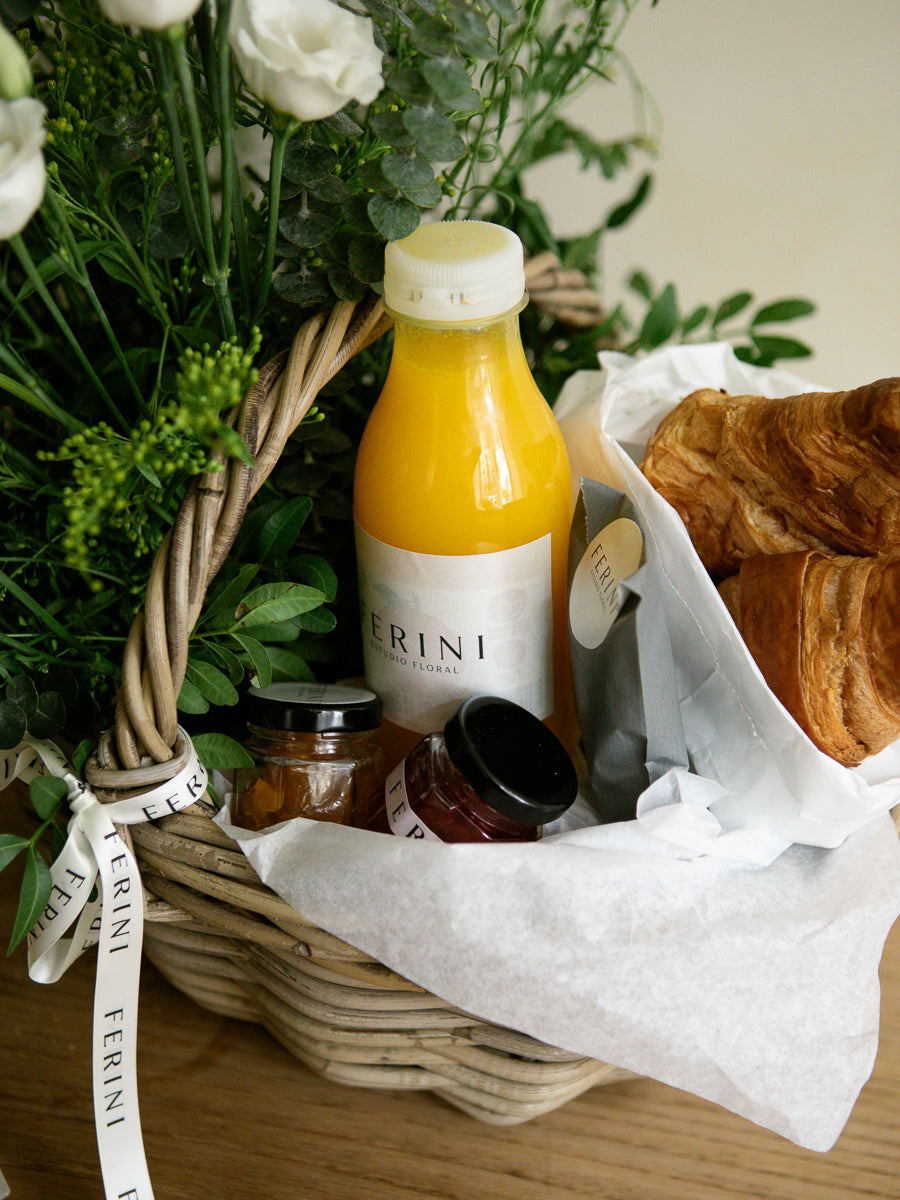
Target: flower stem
59,213
282,132
34,276
216,272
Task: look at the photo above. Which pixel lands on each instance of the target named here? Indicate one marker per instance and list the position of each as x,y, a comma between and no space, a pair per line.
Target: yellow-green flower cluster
121,486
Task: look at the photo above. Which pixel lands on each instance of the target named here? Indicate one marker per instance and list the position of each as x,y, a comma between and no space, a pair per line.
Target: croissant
824,632
750,475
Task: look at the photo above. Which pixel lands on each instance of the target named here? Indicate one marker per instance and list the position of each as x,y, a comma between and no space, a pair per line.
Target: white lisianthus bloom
149,14
22,171
308,59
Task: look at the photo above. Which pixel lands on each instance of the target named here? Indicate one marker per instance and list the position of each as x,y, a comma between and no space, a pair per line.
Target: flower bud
15,74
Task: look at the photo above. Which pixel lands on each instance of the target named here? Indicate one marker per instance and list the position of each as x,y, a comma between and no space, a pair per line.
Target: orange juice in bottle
462,495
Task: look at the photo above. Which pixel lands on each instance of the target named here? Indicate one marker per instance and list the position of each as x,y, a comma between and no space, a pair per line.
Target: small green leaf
771,348
662,318
394,219
289,665
280,532
191,699
623,212
320,620
80,756
10,846
315,570
275,602
731,306
783,310
225,598
46,793
258,655
213,684
33,896
641,283
694,319
218,752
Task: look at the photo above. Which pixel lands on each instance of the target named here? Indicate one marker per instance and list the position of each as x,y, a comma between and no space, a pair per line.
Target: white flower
149,14
15,74
305,59
22,170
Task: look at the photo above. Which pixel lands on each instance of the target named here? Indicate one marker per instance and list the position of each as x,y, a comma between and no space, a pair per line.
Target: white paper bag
760,783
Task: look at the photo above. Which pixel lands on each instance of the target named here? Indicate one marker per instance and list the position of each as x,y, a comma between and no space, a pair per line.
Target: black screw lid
511,759
314,708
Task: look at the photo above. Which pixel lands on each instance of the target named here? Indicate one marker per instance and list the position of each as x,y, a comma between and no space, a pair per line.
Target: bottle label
439,628
401,818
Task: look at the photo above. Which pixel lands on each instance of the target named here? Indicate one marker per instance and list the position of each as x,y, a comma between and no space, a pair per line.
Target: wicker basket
213,928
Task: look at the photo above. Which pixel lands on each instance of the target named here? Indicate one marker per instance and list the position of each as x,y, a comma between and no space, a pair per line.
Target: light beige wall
780,166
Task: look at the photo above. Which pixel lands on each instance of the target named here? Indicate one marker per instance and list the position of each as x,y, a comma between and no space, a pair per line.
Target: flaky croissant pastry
750,475
825,633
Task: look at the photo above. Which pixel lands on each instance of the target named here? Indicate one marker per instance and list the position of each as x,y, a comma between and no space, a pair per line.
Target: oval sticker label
594,597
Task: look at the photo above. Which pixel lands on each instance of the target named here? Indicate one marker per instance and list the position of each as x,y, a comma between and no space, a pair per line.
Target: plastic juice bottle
462,496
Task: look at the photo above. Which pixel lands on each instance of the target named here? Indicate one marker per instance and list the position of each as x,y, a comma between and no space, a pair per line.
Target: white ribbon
94,853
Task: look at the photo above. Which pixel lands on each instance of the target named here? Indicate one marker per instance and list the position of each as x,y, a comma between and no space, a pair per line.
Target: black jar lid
512,760
314,708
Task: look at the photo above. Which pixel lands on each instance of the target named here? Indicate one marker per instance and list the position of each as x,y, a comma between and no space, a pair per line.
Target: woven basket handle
144,748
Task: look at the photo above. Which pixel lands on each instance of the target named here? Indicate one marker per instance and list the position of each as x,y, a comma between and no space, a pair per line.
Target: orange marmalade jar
315,754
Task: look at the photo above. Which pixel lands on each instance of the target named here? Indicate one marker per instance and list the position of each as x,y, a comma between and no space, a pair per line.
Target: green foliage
161,270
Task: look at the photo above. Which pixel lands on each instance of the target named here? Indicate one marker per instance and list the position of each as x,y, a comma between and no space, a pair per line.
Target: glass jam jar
315,751
495,774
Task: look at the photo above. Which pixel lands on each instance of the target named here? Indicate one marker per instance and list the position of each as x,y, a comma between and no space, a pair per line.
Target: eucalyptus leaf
394,218
302,289
22,691
624,212
345,285
448,78
305,163
306,228
365,258
49,716
695,319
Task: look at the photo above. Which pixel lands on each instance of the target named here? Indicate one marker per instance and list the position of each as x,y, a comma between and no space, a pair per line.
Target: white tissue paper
695,945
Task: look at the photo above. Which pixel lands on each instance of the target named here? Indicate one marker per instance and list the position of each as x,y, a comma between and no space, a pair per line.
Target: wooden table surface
228,1115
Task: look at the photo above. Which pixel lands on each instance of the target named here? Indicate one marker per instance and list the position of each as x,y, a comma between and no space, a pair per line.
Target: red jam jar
495,774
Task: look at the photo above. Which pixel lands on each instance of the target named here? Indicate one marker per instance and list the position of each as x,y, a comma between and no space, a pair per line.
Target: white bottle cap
454,271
